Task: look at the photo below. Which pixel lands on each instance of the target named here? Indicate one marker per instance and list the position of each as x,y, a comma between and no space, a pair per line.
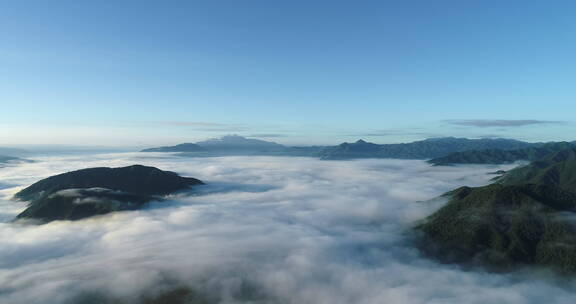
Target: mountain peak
236,143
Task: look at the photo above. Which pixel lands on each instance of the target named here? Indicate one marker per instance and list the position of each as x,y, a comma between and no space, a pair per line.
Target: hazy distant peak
228,144
185,147
235,139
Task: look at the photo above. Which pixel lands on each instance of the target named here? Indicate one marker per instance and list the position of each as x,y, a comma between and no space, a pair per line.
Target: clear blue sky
117,72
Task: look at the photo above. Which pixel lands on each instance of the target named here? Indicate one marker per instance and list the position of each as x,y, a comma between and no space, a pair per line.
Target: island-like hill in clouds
94,191
423,149
527,217
501,156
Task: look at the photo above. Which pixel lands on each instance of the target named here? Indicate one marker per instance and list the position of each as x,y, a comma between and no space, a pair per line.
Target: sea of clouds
263,230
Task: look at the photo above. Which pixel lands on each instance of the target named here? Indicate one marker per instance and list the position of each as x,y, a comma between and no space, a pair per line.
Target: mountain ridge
501,156
423,149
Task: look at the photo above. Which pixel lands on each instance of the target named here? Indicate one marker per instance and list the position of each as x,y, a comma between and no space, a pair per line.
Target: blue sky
297,72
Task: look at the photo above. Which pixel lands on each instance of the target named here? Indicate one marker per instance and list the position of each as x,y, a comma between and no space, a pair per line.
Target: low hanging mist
263,230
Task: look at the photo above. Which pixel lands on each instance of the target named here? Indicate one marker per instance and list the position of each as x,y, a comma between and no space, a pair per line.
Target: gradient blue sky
298,72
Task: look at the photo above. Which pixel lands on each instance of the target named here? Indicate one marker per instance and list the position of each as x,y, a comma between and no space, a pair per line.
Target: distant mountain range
230,144
501,156
525,218
14,152
424,149
4,160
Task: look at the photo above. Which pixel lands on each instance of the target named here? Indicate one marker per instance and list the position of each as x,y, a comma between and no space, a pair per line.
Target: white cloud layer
297,230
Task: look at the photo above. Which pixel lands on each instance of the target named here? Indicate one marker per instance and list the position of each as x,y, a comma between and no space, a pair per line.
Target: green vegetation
526,218
557,169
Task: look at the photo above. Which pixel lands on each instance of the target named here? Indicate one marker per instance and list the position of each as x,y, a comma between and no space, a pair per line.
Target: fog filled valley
287,152
261,230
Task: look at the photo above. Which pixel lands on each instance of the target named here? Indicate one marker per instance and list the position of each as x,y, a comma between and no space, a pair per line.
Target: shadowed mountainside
75,204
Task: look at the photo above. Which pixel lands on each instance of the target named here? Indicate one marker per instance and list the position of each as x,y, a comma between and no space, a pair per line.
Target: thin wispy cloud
396,132
191,124
489,123
267,135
